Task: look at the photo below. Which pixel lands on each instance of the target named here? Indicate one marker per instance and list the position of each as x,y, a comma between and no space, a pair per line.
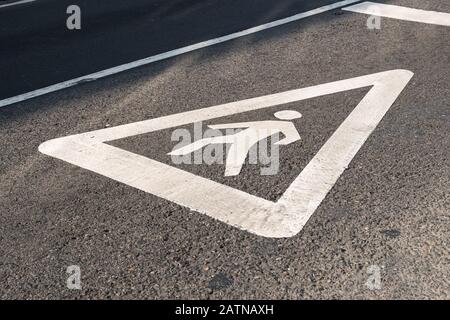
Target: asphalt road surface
382,230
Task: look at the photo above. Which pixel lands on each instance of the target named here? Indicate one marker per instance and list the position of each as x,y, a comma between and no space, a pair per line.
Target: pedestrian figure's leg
238,151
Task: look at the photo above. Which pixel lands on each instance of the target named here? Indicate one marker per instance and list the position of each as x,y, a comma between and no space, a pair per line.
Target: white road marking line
15,3
284,218
170,54
401,13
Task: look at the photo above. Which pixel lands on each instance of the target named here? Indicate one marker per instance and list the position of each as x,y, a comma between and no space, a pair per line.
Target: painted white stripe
15,3
170,54
284,218
401,13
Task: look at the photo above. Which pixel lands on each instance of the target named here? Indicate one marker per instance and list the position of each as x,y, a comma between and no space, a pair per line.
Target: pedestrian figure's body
243,141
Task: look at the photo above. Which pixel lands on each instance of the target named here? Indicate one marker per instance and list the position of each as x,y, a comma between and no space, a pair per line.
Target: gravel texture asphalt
390,208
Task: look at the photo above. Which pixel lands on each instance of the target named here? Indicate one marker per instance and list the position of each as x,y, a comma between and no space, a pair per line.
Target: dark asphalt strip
37,50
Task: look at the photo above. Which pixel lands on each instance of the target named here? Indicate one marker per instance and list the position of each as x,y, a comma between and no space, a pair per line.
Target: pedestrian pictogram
244,140
283,218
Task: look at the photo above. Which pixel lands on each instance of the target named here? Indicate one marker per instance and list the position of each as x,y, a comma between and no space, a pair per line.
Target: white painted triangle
284,218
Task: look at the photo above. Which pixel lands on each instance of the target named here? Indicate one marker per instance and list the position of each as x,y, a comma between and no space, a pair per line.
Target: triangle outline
281,219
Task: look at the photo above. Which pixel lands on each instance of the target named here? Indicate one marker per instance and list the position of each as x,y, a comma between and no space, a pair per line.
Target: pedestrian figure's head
287,115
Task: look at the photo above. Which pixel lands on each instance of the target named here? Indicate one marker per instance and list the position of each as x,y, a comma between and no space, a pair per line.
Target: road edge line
169,54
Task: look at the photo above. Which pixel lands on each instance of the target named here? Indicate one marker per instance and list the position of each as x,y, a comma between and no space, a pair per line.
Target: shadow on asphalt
39,51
